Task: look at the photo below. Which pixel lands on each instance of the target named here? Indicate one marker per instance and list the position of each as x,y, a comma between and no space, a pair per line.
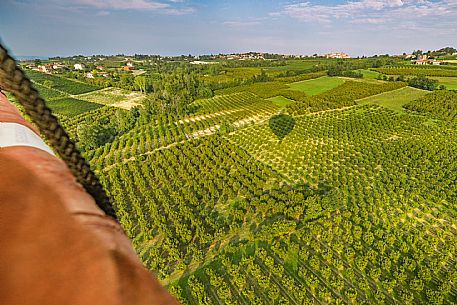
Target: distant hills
31,57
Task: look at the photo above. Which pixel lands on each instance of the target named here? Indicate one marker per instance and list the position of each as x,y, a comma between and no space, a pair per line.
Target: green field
394,99
114,97
449,82
48,93
71,107
370,74
294,65
317,86
232,73
58,83
281,101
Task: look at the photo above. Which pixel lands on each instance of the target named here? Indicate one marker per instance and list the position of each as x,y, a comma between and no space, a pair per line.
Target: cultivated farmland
284,188
316,86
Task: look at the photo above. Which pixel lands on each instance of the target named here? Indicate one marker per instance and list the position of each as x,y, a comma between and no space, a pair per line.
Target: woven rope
13,79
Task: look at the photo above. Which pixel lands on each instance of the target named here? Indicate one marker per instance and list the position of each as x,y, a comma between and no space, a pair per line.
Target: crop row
440,104
60,83
191,195
70,106
418,71
89,117
350,206
341,96
220,113
393,242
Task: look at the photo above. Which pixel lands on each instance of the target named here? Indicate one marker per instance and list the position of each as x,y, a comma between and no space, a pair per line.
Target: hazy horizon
176,27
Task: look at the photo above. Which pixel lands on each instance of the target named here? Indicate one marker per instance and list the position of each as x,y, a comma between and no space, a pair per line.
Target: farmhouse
435,61
47,68
336,55
424,60
33,67
127,68
420,62
59,67
199,62
79,66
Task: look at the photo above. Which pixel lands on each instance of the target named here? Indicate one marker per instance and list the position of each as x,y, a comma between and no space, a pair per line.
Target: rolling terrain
308,189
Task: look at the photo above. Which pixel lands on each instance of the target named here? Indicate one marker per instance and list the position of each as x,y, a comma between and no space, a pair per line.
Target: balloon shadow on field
281,125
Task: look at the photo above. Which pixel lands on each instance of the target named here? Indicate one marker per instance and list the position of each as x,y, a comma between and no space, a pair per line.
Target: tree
126,121
423,82
214,69
262,77
140,83
93,136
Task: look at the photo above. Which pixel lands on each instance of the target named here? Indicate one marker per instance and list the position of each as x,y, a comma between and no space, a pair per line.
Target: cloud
239,24
371,11
179,11
173,7
123,4
368,21
103,13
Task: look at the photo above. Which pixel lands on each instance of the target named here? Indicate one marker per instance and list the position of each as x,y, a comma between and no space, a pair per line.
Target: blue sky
174,27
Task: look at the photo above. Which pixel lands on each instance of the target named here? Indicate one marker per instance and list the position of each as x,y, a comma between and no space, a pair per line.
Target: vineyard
419,71
340,210
49,93
270,88
60,83
268,193
97,115
221,113
71,99
114,97
344,95
440,104
69,106
394,99
329,207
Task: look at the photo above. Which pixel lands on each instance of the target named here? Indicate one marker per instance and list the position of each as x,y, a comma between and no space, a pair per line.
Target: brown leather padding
47,257
56,245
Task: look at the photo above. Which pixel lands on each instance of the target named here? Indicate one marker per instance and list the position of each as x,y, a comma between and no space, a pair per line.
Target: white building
199,62
79,66
336,55
59,66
